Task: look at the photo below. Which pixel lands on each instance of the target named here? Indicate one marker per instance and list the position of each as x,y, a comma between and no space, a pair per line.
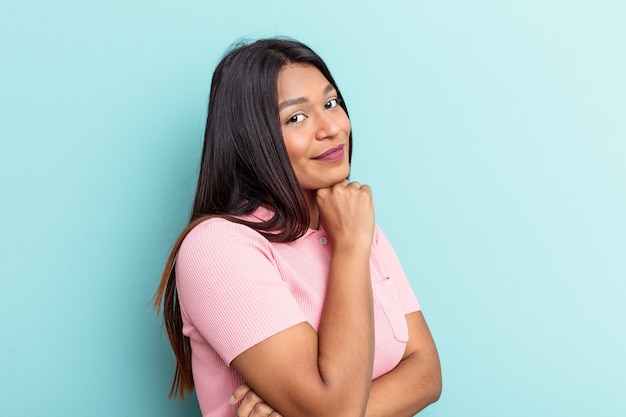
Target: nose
327,126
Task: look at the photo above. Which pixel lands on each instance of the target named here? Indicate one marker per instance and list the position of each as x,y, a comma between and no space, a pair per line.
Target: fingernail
231,400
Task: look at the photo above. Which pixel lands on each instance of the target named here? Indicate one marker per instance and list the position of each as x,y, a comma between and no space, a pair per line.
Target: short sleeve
395,272
230,289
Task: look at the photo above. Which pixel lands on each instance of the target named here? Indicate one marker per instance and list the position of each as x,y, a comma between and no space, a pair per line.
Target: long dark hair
244,164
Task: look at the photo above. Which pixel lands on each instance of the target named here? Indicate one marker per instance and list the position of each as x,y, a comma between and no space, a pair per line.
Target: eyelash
336,100
294,118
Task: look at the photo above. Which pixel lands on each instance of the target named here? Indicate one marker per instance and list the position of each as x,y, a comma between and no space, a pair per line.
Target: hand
347,213
251,404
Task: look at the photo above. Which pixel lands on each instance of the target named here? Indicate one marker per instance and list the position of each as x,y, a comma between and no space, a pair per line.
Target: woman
282,280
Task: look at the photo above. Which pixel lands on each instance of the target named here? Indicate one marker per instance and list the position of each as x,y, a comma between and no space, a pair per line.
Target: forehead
300,80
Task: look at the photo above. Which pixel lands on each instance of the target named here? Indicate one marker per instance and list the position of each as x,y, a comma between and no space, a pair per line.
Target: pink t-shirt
236,289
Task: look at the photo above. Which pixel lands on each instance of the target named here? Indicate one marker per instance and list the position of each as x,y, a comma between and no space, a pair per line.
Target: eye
331,103
296,118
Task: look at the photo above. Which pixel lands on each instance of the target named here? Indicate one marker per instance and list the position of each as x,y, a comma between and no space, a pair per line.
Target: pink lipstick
333,154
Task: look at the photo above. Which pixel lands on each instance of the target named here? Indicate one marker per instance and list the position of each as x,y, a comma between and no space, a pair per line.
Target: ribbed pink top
236,289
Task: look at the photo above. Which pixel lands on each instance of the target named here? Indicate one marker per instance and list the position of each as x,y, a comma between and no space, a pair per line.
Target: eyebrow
301,100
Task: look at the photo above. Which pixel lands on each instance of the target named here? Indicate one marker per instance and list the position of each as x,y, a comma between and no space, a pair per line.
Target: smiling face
316,130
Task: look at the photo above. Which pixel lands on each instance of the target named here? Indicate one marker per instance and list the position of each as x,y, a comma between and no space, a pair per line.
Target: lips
333,154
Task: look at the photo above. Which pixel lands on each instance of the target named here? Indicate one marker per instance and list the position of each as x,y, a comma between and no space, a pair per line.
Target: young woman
282,296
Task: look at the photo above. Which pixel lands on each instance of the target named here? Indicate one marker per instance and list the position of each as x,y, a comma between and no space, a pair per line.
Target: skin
411,386
312,122
327,373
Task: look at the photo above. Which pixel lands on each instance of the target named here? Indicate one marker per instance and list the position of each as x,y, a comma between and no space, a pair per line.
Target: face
316,130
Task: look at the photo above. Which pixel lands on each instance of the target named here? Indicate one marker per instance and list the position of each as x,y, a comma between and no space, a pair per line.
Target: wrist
352,248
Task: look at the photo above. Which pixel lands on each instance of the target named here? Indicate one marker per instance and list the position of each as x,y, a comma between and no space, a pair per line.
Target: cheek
296,160
345,124
296,145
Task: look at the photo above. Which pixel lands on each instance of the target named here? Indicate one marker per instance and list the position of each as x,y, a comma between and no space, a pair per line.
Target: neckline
264,214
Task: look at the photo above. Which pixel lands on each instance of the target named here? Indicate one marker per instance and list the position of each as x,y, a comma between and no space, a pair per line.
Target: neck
314,214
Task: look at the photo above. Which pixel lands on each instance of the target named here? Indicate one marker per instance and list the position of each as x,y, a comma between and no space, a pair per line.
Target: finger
251,402
262,410
340,184
238,394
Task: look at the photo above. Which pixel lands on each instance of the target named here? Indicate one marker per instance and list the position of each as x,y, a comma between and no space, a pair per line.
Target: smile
333,154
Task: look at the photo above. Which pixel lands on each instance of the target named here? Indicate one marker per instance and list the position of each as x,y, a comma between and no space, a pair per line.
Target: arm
415,382
328,372
412,385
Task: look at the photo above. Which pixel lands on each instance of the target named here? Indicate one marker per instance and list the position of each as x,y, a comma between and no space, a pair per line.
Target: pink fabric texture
236,289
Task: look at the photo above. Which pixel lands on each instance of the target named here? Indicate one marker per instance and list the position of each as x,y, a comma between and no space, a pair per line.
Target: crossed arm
301,372
411,386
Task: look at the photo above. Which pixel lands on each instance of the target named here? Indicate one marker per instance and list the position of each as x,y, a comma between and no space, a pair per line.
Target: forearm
407,389
346,330
326,372
323,373
402,392
333,377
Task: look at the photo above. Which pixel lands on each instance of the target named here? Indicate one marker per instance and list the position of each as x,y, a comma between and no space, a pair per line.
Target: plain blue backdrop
493,134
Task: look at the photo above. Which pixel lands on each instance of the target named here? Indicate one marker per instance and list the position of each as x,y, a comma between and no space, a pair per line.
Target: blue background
493,134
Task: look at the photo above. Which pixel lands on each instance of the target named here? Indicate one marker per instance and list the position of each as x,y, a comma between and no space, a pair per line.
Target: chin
326,181
335,181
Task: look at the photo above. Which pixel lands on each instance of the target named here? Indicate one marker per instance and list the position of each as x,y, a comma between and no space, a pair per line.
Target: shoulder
222,227
381,246
222,237
378,236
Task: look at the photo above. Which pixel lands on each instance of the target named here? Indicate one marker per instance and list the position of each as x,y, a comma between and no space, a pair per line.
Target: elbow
428,389
349,401
435,386
436,391
337,411
349,404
